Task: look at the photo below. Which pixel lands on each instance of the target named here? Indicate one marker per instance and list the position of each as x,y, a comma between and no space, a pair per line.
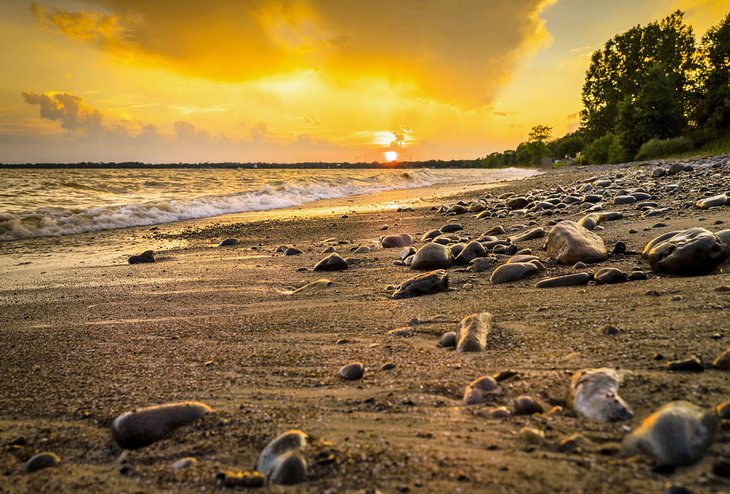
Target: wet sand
82,343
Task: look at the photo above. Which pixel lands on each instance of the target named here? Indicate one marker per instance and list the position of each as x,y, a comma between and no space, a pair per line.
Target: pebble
451,227
423,284
526,405
394,241
144,257
481,264
184,463
637,276
713,202
232,478
723,410
595,395
532,435
41,461
512,272
227,242
606,276
677,434
471,251
575,279
722,362
568,242
387,366
692,252
473,332
478,390
281,461
432,256
332,262
352,372
448,340
528,235
610,330
140,428
690,364
675,488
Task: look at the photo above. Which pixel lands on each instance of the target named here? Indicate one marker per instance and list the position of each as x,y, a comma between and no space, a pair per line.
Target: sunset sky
299,80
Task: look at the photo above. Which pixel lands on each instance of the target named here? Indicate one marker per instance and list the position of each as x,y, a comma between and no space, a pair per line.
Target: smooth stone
589,222
595,395
471,251
637,276
41,461
618,200
522,258
429,235
723,410
481,264
315,285
528,235
432,256
526,405
575,279
495,230
692,252
610,330
363,249
677,434
231,478
407,252
675,168
144,257
713,202
689,364
722,362
579,265
531,435
473,332
448,340
228,241
423,284
184,463
568,242
275,459
451,227
724,236
478,390
293,251
332,262
387,366
512,272
675,488
517,202
606,276
140,428
327,250
352,372
658,172
394,241
500,413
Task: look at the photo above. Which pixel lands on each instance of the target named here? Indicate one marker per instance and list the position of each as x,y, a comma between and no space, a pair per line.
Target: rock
618,200
637,276
690,364
332,262
678,434
363,249
675,488
723,410
528,235
472,251
531,435
407,252
713,202
658,172
589,222
722,362
140,428
512,272
231,478
500,413
326,250
575,279
481,264
309,287
41,461
721,468
227,242
146,256
675,168
432,256
692,252
569,243
606,276
522,258
495,230
429,235
387,366
526,405
393,241
352,372
478,390
610,330
451,227
595,395
281,461
184,463
473,331
517,202
448,340
423,284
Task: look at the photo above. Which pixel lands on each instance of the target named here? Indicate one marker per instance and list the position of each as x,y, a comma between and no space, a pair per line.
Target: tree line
653,90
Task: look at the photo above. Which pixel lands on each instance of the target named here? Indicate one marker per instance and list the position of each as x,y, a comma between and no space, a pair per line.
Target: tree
713,88
539,133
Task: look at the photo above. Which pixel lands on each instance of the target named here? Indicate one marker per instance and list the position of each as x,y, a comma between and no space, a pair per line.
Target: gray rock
352,372
448,340
723,410
432,256
678,434
692,252
713,202
423,284
471,251
637,275
595,395
722,362
473,331
227,242
618,200
576,279
478,390
41,461
281,461
512,272
528,235
451,227
184,463
429,235
140,428
517,202
481,264
658,172
568,242
144,257
607,276
526,405
293,251
332,262
689,364
394,241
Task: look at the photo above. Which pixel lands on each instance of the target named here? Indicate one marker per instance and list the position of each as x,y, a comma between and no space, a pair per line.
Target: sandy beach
85,336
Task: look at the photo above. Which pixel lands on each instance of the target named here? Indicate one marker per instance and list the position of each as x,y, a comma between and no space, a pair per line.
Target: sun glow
391,156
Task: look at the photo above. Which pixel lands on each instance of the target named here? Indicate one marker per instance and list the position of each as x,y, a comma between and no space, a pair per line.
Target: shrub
606,149
659,148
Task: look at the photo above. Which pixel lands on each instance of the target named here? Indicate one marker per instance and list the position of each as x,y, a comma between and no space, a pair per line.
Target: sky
169,81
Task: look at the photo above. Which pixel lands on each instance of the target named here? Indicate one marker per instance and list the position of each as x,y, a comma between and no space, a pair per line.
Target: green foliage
568,145
659,148
606,149
712,108
539,133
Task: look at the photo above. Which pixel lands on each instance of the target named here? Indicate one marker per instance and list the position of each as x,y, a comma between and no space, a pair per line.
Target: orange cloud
71,110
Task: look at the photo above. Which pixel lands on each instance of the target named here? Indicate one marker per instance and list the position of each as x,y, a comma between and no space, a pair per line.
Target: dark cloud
71,110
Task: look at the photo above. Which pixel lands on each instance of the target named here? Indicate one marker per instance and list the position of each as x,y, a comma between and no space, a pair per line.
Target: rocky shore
564,333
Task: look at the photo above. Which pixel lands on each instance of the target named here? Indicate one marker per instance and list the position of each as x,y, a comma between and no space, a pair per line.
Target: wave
55,221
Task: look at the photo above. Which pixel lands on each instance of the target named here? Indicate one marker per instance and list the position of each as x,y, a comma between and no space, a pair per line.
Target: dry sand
82,343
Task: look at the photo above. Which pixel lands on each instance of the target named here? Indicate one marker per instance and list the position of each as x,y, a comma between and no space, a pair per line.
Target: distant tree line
651,91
